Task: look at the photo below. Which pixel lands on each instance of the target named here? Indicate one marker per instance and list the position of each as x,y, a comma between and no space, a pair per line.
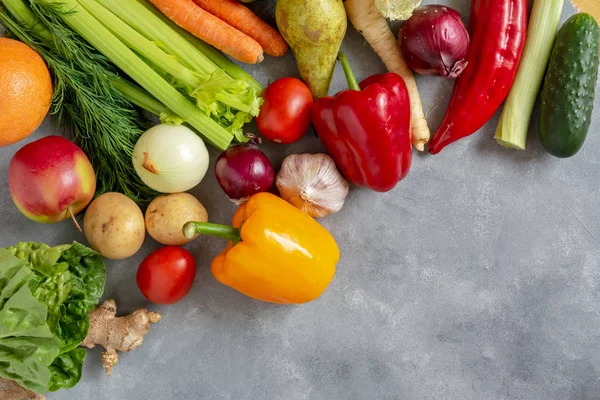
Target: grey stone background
476,278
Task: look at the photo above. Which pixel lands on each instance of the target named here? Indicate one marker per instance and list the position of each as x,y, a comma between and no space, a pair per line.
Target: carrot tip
278,53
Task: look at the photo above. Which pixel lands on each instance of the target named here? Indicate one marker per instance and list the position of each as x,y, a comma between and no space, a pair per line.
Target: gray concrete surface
478,277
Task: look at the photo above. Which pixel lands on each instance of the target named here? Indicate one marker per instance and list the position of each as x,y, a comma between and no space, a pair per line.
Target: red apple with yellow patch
51,180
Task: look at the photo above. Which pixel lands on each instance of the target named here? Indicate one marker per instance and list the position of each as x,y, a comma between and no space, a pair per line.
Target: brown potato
166,216
114,226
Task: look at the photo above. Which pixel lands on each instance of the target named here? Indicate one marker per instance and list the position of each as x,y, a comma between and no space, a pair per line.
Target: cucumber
567,98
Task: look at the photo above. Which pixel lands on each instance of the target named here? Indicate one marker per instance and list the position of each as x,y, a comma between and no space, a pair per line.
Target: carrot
367,19
211,29
240,17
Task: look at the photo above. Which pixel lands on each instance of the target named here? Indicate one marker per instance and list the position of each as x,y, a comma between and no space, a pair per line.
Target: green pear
314,29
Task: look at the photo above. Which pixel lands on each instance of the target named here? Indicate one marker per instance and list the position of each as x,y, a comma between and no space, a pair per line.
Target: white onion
170,159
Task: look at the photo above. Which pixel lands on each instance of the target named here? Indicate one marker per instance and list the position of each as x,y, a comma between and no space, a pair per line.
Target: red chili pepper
498,29
366,129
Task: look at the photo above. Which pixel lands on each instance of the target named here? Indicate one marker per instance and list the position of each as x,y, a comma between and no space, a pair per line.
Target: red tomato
285,115
166,275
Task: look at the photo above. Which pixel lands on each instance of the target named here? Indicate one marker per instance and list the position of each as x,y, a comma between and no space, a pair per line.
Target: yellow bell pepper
276,252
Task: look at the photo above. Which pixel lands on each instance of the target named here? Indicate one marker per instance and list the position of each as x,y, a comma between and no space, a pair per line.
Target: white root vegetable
397,9
367,19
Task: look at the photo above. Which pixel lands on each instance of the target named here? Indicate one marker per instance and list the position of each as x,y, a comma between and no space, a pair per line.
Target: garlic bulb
312,183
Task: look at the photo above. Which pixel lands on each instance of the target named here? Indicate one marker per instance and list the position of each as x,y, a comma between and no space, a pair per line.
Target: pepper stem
352,82
223,231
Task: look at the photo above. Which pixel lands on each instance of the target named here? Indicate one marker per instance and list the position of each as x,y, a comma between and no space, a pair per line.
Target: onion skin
434,41
170,159
243,171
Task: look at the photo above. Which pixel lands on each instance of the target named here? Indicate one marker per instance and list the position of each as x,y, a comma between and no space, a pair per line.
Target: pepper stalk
350,77
190,229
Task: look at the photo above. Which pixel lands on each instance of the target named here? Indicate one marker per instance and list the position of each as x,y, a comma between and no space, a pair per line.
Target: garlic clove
312,183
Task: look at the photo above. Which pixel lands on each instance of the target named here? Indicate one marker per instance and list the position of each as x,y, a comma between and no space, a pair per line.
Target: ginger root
117,333
107,330
10,390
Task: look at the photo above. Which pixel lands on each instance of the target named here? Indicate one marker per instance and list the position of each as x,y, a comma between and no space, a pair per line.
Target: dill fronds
95,114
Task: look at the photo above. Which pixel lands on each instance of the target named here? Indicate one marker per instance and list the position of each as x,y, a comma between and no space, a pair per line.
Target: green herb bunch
85,100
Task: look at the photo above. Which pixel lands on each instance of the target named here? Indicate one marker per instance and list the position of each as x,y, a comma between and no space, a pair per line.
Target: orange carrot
211,29
240,17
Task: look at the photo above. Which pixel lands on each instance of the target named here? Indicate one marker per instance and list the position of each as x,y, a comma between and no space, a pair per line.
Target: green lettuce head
46,295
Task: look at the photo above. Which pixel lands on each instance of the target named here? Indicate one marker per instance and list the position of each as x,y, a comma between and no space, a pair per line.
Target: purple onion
434,41
244,170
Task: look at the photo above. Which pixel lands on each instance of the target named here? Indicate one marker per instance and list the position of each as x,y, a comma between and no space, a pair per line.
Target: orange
25,91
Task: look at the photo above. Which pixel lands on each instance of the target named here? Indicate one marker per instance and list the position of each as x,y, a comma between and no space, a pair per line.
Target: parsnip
367,19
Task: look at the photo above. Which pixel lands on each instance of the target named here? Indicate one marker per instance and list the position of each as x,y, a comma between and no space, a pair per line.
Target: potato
166,216
114,226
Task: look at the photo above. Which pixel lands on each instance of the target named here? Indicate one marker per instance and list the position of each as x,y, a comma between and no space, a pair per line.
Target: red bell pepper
498,29
366,129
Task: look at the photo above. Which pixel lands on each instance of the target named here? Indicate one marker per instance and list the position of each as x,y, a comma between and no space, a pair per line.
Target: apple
51,180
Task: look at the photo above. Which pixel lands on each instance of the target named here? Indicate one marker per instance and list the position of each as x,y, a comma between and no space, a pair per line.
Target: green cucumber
569,87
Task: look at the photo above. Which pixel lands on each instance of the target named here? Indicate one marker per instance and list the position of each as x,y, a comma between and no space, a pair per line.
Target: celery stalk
189,50
24,16
146,22
140,98
144,100
543,26
141,45
207,90
80,20
134,94
232,69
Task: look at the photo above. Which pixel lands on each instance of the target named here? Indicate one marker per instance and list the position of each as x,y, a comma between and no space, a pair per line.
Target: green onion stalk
541,33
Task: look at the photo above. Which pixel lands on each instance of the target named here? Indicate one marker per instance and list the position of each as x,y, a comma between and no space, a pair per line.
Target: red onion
244,170
434,41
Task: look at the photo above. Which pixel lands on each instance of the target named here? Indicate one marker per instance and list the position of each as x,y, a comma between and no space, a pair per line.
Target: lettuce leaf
66,282
13,275
52,283
66,369
88,277
27,345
